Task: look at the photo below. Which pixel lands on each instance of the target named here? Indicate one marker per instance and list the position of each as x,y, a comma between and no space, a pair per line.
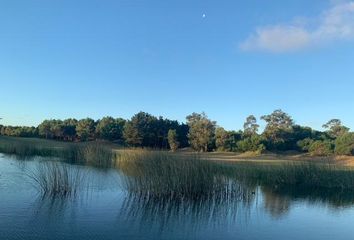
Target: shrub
321,148
251,144
344,145
305,144
173,139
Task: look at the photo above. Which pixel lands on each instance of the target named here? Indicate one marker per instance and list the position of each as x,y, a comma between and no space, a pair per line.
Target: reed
162,174
97,154
57,179
166,174
94,154
302,175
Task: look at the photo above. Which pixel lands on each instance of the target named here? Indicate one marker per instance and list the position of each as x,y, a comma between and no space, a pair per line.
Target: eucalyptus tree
250,127
45,130
335,128
278,129
201,131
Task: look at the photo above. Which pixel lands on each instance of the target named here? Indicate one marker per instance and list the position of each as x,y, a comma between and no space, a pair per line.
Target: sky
228,58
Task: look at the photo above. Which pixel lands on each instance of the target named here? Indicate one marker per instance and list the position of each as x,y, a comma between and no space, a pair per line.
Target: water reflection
282,199
166,213
103,210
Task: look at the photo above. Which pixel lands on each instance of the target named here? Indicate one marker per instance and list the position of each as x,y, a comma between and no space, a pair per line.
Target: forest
200,133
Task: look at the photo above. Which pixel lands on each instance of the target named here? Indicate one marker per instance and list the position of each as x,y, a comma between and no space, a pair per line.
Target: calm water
104,211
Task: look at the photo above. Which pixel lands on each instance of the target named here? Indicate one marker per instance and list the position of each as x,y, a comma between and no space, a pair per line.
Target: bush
305,144
344,145
251,144
321,148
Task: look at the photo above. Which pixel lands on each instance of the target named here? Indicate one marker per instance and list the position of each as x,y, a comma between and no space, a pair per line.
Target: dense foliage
200,133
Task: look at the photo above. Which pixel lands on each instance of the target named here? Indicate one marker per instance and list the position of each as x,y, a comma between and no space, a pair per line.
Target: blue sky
61,59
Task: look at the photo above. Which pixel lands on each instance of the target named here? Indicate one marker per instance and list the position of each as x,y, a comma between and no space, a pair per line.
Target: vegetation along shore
165,158
199,133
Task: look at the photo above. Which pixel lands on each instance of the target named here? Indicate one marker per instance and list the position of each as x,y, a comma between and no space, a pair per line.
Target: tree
140,130
344,144
298,134
44,129
110,129
201,131
335,128
182,133
18,131
279,127
250,127
57,129
2,129
146,130
69,129
173,139
85,129
221,139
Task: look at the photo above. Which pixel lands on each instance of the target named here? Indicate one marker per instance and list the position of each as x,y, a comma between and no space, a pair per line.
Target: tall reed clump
93,154
161,174
57,179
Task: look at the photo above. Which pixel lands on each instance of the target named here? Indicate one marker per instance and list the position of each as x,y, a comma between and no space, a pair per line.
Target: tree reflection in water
278,201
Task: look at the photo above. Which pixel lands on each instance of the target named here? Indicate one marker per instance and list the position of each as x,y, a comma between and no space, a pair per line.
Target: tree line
199,132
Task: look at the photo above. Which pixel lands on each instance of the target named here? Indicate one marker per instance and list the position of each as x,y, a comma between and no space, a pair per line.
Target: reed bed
94,154
27,148
57,179
301,175
162,174
97,154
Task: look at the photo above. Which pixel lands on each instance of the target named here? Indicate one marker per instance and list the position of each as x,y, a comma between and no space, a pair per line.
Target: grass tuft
57,179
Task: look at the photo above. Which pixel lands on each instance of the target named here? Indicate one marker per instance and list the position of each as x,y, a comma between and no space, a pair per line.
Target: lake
104,210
